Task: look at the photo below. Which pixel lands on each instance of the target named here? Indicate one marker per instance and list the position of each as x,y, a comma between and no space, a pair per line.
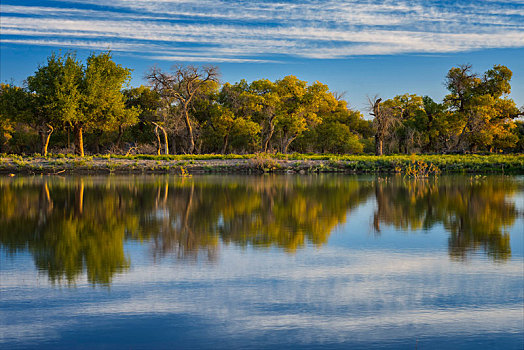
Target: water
226,262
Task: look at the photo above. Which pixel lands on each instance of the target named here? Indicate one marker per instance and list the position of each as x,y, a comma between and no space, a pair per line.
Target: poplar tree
55,88
482,105
102,104
16,105
90,97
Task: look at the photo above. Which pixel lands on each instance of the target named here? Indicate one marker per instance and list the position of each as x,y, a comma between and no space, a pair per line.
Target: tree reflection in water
475,211
72,225
67,226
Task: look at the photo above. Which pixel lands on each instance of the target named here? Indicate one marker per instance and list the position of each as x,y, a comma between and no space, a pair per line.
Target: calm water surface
228,262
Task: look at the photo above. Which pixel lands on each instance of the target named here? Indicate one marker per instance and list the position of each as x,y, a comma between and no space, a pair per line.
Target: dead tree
383,120
182,85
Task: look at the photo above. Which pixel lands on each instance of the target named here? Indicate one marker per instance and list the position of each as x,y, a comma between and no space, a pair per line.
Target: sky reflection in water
272,261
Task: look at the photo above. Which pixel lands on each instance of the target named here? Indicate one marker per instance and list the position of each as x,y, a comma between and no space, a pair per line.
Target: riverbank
262,163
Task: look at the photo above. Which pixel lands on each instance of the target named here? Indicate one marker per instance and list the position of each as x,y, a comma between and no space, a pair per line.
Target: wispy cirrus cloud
256,31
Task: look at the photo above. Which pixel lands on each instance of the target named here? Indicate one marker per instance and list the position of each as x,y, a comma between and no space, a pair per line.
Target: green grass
267,162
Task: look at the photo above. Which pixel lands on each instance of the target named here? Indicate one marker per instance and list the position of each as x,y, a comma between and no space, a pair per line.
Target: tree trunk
158,142
166,142
189,130
68,139
431,139
79,141
269,135
173,144
462,138
288,142
199,147
119,138
97,141
224,149
378,145
45,134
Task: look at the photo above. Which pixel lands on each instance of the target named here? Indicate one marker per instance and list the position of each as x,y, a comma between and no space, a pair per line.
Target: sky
358,47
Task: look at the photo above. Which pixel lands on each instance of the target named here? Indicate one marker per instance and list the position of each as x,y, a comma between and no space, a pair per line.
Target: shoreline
415,165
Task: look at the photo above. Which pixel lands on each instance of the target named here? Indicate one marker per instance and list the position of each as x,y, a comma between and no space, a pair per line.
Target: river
283,261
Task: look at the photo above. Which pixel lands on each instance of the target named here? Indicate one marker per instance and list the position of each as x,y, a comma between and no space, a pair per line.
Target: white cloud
379,289
256,31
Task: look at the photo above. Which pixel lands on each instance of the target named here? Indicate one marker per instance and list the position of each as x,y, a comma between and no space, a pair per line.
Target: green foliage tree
519,134
57,94
224,130
481,104
299,108
338,133
230,123
102,104
148,103
284,109
409,132
441,126
186,111
336,137
264,103
84,98
16,105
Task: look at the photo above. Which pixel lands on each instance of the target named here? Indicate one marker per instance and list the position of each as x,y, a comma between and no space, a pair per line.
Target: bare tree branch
183,85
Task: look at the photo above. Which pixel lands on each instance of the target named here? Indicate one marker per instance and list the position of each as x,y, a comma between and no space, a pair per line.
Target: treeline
67,104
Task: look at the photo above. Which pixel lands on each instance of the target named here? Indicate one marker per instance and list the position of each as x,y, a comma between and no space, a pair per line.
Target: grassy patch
409,165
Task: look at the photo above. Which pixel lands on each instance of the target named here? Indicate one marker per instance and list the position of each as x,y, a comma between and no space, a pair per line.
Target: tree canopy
187,110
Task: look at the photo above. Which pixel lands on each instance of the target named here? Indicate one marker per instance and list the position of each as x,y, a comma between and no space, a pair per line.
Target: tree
336,137
300,108
482,106
90,97
180,87
409,133
148,103
284,109
230,121
102,104
384,119
519,133
264,102
225,131
56,90
338,132
16,105
440,126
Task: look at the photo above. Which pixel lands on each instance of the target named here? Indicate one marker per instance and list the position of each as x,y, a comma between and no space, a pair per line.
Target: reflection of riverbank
71,225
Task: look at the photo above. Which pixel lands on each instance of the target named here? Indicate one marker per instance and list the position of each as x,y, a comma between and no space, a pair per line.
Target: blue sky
360,47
